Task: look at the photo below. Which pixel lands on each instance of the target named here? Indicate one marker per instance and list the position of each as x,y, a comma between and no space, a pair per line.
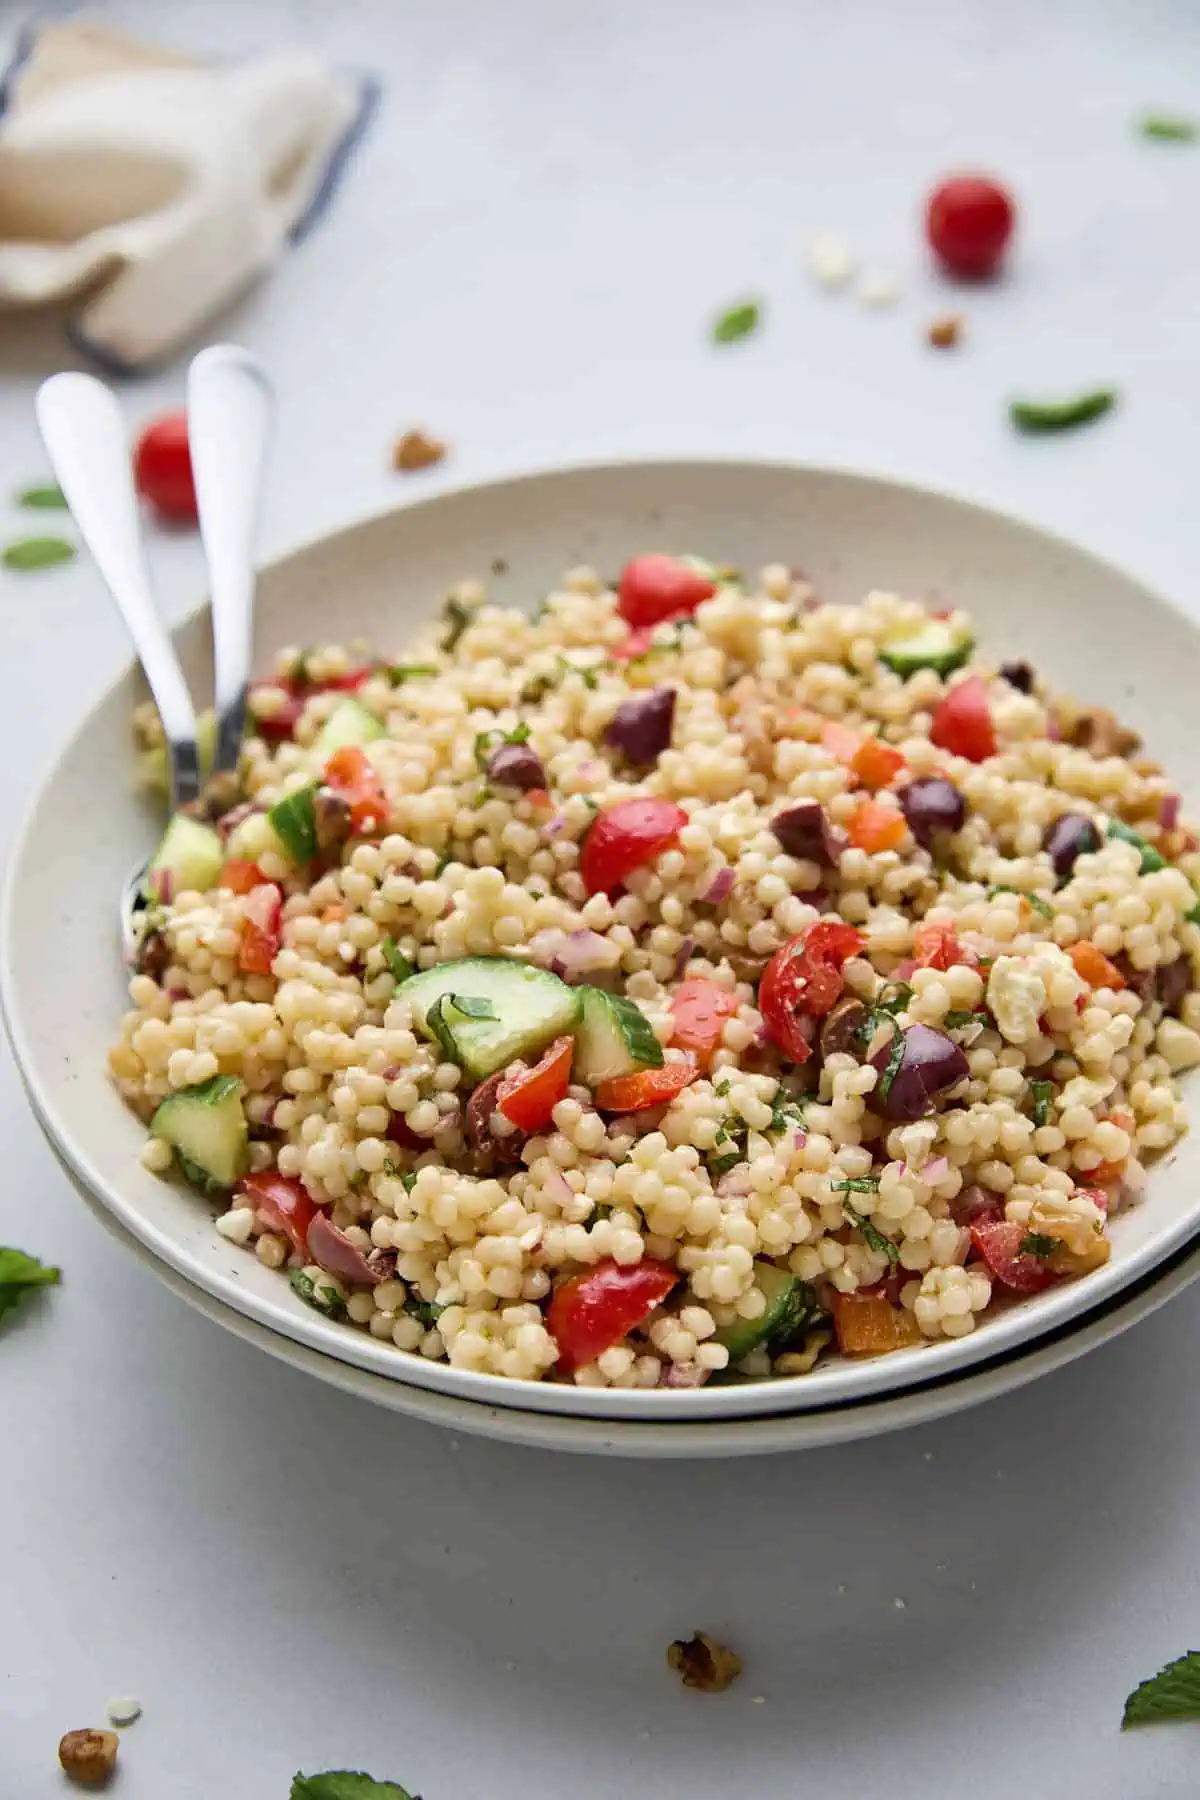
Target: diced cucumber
790,1305
349,723
253,839
933,644
1151,859
191,854
294,823
206,1127
613,1037
526,1007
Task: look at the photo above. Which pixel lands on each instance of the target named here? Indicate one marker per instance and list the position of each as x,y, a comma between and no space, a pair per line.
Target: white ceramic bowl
1088,626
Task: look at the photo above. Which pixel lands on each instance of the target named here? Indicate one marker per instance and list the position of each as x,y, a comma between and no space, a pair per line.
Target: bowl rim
923,1364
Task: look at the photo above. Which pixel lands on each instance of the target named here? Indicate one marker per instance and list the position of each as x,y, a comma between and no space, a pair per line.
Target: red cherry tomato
162,467
962,722
640,641
240,877
649,1087
969,221
259,943
283,1203
624,837
701,1008
937,947
655,586
999,1244
349,773
804,980
529,1099
595,1310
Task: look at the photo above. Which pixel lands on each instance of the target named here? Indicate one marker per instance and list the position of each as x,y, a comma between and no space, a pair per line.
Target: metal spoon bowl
229,412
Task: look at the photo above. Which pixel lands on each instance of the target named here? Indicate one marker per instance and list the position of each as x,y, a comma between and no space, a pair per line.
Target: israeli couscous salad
671,986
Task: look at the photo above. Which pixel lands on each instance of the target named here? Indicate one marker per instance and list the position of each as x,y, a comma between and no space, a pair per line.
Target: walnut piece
89,1757
416,449
945,331
700,1662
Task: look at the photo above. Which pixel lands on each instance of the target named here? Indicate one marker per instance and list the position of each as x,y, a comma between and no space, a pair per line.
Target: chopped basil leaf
1169,128
391,1167
19,1274
1035,900
473,1008
457,617
486,742
444,861
721,1165
346,1784
537,689
872,1236
1061,415
401,672
36,553
1043,1101
1037,1243
1174,1693
601,1210
856,1184
895,1058
321,1299
956,1018
408,1182
45,497
399,964
585,671
426,1312
737,322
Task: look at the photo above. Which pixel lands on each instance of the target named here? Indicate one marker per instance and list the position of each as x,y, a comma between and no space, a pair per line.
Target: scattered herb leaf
36,553
20,1274
444,861
487,741
43,497
1037,1243
399,964
408,1182
957,1017
425,1312
1061,415
737,322
457,618
401,672
895,1058
1043,1101
346,1784
872,1236
856,1184
321,1299
600,1211
472,1007
1151,860
392,1167
1174,1693
1169,128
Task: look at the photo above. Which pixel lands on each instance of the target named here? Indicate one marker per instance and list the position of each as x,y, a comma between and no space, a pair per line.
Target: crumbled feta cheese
124,1711
1017,998
878,289
830,260
237,1224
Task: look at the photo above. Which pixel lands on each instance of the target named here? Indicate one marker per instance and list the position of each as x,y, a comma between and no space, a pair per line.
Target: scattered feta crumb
830,260
877,289
899,1604
123,1712
237,1224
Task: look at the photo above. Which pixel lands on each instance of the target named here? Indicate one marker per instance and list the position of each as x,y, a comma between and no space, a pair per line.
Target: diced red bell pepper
350,775
874,827
962,722
259,944
803,981
591,1312
655,587
282,1203
868,1325
529,1099
876,764
649,1087
999,1244
701,1008
625,837
240,877
1092,966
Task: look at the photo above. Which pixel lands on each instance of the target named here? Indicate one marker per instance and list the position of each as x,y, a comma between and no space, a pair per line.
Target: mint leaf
345,1784
321,1299
36,553
472,1007
738,322
399,964
856,1184
457,617
19,1274
425,1312
1061,415
1169,128
1037,1243
872,1236
46,497
1043,1101
1174,1693
401,672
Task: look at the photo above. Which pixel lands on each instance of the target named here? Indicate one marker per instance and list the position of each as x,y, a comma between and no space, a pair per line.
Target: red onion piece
1168,812
574,955
904,970
329,1246
683,956
557,823
235,816
161,886
560,1189
684,1375
799,1138
735,1183
718,888
935,1170
974,1203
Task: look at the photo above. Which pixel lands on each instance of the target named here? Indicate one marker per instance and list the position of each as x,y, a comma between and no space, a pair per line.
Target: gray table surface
554,200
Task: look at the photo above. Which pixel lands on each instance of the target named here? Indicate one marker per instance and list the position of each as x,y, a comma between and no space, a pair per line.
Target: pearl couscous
674,984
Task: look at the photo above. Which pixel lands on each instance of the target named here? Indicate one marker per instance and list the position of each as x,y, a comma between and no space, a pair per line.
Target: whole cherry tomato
969,221
803,981
654,587
162,467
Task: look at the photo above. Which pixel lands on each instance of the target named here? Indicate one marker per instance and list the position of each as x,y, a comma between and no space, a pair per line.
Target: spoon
229,412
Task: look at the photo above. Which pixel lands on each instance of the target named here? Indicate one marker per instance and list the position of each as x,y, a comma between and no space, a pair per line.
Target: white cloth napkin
155,186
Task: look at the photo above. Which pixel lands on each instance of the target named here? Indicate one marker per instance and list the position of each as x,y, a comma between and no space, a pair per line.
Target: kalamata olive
1174,980
154,956
804,832
480,1108
973,1202
1018,675
1071,836
331,819
382,1264
932,804
1142,982
329,1246
641,728
516,765
930,1064
840,1027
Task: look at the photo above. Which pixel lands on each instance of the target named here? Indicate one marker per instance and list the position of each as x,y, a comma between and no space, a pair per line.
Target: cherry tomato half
350,775
283,1203
999,1244
937,947
259,943
803,981
529,1099
624,837
240,877
649,1087
653,587
962,722
162,467
593,1311
969,221
700,1008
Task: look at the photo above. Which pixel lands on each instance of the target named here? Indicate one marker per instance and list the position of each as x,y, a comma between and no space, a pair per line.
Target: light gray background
554,200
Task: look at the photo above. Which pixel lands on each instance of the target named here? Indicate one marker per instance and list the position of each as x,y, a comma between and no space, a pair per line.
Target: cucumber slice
206,1127
348,723
933,644
253,839
530,1006
294,823
791,1304
614,1037
191,854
